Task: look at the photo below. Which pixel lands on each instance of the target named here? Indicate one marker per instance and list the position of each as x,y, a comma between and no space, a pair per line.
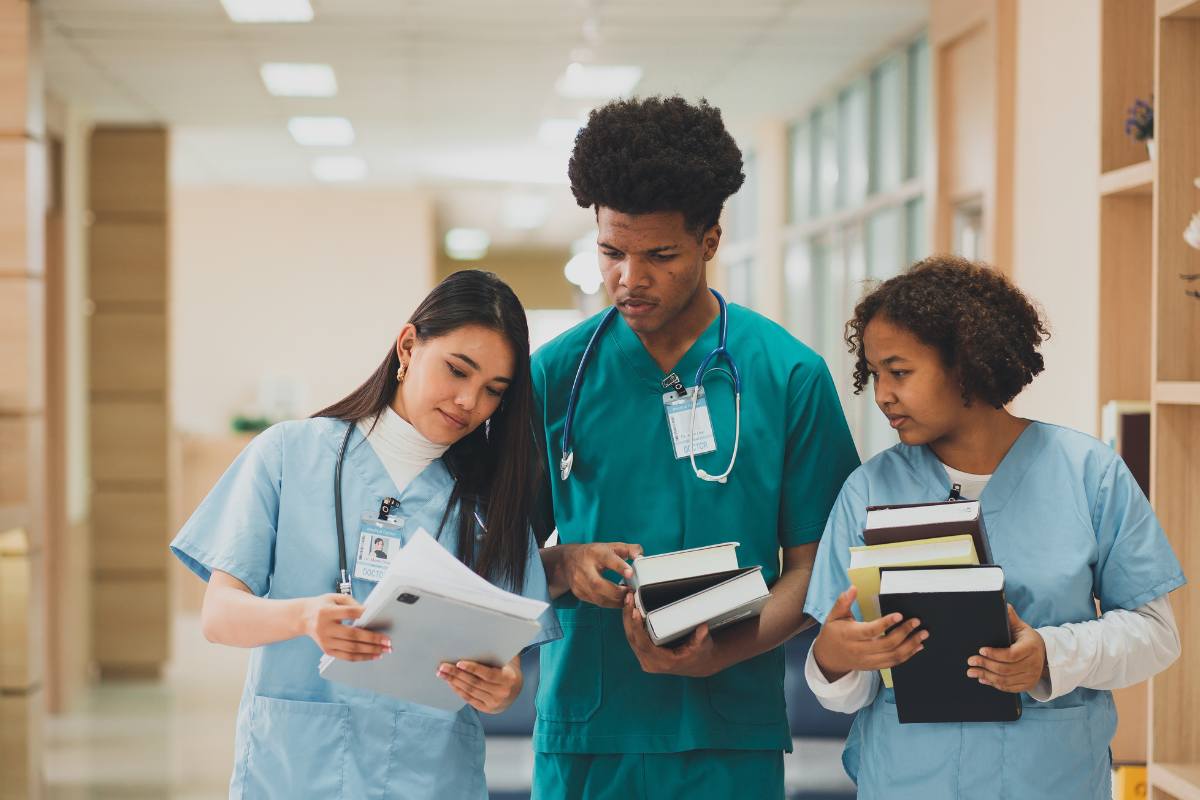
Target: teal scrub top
627,485
269,523
1070,526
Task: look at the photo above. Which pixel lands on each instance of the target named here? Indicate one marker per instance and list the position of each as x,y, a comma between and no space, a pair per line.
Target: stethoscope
671,381
344,584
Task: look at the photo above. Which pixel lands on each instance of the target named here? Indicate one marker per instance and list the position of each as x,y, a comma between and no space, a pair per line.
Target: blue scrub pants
694,775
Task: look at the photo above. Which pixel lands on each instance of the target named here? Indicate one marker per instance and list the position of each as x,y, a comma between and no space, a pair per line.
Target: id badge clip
380,537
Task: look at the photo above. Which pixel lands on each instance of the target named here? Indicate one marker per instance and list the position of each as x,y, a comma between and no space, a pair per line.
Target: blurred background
216,214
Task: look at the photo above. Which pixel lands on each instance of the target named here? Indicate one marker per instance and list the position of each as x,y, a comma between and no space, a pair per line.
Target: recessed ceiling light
467,244
299,80
593,81
268,10
338,169
321,131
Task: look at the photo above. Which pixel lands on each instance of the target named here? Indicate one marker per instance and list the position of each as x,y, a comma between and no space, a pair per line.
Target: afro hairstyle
641,156
983,326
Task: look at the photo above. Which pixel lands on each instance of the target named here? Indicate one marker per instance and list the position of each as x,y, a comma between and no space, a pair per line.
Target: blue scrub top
269,523
627,485
1071,527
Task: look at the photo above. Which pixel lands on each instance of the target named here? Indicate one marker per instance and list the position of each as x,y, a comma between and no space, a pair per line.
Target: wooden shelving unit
1174,735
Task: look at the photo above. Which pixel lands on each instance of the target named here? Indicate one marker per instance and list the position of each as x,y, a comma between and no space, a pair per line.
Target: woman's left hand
1012,669
487,689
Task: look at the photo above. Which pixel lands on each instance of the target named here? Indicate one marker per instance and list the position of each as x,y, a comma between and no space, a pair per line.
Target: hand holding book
693,658
845,645
1012,669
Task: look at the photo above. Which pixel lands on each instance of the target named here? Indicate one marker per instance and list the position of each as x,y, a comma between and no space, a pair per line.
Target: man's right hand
845,644
581,567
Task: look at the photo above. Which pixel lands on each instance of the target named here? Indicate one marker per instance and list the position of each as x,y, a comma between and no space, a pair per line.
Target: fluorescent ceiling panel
598,82
321,131
253,11
299,80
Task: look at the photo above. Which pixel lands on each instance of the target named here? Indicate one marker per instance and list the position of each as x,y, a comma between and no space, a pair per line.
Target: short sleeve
233,529
1135,563
844,529
536,588
820,455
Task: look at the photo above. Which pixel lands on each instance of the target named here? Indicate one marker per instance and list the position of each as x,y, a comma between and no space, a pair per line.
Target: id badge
378,542
679,420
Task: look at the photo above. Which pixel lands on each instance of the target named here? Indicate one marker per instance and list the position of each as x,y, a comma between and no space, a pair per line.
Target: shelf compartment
1181,781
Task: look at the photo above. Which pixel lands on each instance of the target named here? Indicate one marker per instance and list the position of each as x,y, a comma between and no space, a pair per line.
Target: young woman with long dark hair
440,437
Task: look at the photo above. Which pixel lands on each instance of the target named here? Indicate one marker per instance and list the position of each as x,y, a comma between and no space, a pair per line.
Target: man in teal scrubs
617,716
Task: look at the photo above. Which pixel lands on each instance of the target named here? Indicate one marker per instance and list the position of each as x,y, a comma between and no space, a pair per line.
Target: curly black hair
983,326
640,156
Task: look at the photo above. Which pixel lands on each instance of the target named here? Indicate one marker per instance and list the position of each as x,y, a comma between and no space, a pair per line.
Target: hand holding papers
435,610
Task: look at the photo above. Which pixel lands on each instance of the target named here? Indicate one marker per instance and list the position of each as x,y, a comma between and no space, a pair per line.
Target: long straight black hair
497,466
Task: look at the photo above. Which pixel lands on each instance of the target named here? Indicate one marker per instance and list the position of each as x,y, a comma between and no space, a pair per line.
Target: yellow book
1129,782
866,561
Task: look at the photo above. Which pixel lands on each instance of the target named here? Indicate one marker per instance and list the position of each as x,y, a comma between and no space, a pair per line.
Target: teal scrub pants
691,775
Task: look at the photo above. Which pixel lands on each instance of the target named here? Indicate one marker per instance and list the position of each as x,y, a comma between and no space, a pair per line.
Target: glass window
914,222
739,281
918,107
800,164
741,218
887,125
886,255
802,293
853,156
826,159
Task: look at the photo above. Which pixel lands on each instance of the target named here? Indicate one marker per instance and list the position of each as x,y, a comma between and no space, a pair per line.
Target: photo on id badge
376,547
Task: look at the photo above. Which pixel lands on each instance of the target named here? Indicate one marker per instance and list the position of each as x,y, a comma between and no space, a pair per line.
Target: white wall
1057,214
308,285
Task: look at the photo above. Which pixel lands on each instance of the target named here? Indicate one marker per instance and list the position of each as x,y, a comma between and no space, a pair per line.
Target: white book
435,610
684,563
929,514
730,597
954,579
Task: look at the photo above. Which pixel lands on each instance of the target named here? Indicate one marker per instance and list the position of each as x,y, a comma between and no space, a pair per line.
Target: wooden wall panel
128,353
22,353
126,262
1125,298
128,171
129,441
14,68
126,524
129,615
21,745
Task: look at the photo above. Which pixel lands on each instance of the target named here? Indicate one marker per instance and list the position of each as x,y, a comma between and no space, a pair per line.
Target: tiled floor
174,738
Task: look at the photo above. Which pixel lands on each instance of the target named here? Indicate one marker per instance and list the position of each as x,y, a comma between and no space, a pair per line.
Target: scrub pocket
435,757
572,667
296,749
922,758
750,693
1050,752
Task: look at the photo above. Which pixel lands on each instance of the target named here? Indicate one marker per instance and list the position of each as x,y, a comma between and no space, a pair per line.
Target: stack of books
932,561
679,591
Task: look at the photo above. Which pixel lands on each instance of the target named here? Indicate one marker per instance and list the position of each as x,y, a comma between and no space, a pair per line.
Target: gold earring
400,372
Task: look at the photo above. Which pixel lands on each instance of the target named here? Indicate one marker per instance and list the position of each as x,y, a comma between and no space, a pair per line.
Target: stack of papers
435,610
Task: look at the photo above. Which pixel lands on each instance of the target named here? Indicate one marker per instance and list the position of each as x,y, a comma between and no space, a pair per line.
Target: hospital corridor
782,399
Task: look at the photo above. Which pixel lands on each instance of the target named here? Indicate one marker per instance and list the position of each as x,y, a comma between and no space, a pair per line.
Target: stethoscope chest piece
565,463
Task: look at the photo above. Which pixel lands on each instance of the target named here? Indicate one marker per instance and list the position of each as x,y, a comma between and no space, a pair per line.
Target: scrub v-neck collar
646,370
1005,480
434,482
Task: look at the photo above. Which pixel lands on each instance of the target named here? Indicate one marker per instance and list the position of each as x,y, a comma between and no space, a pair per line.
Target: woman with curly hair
947,345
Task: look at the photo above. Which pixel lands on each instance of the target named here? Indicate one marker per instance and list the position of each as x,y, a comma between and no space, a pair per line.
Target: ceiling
444,94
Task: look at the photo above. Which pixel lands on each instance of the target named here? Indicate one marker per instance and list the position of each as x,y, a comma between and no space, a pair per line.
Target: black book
964,609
